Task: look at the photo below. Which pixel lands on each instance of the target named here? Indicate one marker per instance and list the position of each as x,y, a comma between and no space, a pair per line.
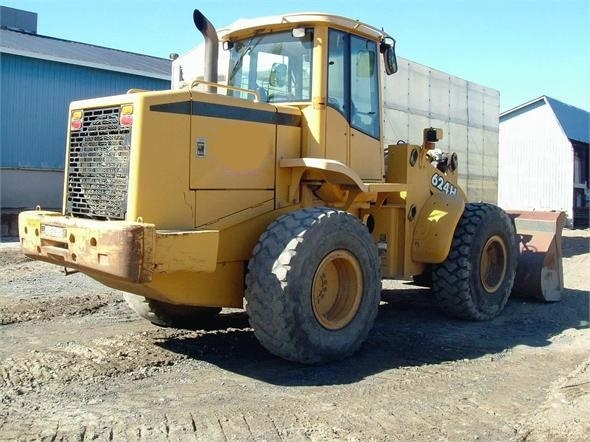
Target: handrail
198,82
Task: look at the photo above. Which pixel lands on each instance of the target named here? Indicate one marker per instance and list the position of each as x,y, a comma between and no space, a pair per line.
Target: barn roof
575,122
65,51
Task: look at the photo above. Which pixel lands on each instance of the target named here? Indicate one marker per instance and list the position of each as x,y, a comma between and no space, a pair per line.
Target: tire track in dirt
245,426
103,375
92,362
42,309
564,415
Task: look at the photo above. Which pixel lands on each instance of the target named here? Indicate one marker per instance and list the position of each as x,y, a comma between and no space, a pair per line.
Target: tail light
76,120
126,115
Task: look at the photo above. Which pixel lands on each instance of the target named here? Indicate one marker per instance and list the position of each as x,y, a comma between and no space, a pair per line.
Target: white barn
543,159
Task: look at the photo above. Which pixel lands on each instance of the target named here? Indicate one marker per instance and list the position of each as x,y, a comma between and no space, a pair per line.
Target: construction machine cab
336,85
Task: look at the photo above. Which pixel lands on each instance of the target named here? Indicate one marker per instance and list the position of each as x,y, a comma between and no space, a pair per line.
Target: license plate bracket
57,232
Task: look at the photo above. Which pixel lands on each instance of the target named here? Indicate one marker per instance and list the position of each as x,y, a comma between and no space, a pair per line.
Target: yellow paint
332,171
288,146
237,154
159,190
337,290
237,242
366,156
190,251
435,227
389,228
337,136
215,207
223,288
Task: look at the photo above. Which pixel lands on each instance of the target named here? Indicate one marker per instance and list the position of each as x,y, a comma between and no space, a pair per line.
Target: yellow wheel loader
274,187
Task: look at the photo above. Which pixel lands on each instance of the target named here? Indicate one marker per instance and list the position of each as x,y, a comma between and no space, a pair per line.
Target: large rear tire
313,285
476,279
170,315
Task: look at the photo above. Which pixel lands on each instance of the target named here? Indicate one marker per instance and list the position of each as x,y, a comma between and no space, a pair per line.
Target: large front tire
170,315
313,285
476,279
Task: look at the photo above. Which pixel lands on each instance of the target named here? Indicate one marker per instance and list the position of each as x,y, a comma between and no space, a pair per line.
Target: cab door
338,106
366,151
353,126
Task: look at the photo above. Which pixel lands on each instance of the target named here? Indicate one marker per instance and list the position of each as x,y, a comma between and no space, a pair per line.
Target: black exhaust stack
211,47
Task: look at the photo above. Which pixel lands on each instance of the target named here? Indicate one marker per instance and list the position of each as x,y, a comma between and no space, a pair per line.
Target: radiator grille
99,166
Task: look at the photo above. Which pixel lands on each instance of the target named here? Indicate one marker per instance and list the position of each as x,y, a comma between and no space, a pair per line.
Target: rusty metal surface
539,273
114,248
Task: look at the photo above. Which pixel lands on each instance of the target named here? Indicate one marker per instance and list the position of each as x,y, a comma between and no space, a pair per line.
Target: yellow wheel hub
494,263
337,289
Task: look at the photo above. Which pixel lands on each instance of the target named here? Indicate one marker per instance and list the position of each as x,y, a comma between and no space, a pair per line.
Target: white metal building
417,97
543,157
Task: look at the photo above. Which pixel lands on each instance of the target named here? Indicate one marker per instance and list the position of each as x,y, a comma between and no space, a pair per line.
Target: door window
364,81
353,80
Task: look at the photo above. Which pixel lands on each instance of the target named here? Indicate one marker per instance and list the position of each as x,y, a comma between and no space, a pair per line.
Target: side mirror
389,58
278,75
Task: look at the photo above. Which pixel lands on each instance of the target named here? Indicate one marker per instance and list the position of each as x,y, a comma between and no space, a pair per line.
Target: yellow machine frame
203,188
195,199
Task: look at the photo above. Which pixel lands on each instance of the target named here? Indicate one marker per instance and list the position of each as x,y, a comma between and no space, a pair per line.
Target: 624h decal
443,185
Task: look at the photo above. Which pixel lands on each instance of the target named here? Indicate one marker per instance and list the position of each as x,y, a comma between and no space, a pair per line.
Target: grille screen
99,166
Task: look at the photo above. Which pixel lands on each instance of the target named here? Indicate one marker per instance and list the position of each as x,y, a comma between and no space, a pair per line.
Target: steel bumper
123,250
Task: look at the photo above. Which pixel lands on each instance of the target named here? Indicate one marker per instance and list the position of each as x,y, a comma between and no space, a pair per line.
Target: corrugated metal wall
417,97
536,162
35,95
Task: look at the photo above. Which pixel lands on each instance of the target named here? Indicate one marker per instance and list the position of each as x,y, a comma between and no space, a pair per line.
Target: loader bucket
539,273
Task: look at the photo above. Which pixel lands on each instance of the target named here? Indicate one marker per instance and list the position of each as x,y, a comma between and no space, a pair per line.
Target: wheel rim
337,289
493,264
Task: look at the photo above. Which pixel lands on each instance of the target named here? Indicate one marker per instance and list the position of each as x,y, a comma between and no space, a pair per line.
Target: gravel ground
77,364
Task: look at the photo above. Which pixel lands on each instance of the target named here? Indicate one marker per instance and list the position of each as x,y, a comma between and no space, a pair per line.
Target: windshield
277,66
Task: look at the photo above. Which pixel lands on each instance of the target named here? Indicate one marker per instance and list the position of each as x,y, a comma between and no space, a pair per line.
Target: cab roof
243,28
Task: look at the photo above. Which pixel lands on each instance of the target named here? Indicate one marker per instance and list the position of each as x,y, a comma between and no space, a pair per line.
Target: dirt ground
77,364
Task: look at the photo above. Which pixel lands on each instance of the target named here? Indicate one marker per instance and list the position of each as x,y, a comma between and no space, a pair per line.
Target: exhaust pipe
211,47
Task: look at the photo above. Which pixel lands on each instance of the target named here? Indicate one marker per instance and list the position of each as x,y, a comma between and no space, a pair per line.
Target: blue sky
523,48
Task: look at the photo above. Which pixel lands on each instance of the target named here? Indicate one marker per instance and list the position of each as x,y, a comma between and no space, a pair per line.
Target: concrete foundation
24,189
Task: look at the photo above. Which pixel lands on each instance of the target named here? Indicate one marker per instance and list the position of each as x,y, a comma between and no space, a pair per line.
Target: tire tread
451,280
272,312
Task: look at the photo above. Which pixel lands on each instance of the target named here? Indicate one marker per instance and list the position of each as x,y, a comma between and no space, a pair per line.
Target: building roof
574,122
65,51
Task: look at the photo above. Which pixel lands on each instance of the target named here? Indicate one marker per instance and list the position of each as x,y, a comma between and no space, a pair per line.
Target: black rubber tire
171,315
424,279
279,284
457,282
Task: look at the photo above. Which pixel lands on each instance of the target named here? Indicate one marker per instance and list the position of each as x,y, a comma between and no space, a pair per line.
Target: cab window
277,66
353,80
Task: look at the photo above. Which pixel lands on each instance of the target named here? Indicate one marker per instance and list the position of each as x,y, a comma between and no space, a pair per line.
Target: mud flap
539,273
